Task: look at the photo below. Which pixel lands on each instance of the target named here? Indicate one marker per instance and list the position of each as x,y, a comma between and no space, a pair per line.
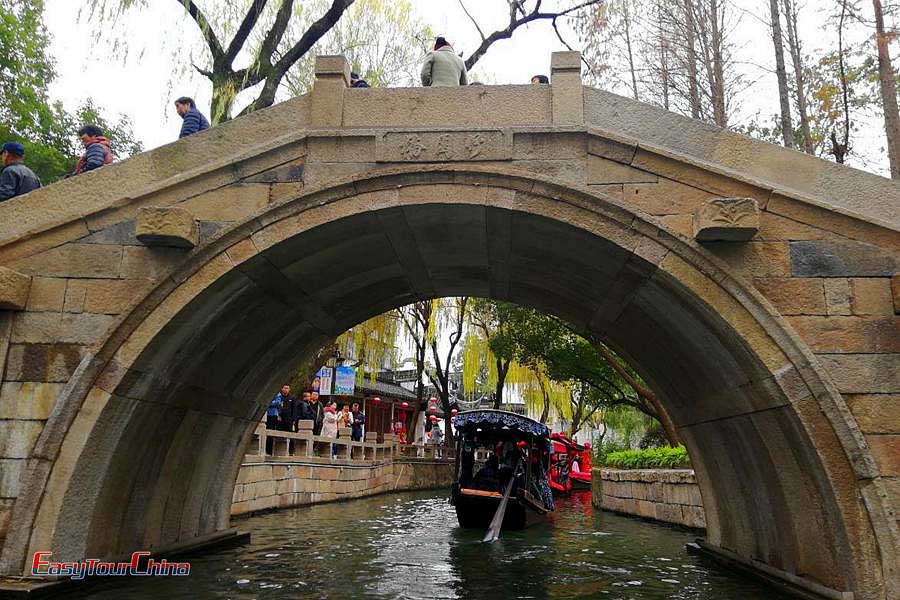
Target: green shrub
652,458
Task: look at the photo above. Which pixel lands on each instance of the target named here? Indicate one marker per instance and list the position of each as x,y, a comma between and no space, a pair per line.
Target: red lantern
433,418
453,411
453,420
404,405
432,400
376,400
432,408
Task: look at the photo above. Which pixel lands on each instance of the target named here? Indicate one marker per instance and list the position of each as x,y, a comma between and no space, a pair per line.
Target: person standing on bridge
442,67
193,120
16,179
97,151
273,415
359,419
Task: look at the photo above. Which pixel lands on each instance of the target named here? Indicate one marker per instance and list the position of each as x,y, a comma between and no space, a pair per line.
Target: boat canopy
489,419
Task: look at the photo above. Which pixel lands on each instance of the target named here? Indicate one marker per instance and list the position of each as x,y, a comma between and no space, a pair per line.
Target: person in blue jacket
273,413
193,120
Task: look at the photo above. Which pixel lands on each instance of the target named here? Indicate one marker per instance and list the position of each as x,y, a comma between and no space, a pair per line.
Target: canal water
408,545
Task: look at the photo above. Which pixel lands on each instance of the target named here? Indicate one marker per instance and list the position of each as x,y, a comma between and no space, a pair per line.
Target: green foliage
652,458
605,448
27,115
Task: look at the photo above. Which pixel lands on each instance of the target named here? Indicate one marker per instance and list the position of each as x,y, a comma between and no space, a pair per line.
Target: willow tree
257,45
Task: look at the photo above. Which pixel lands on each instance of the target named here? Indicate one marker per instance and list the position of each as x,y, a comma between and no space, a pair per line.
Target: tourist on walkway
330,422
96,150
304,410
437,438
359,419
540,80
273,418
16,179
193,120
345,418
442,67
288,407
358,82
317,412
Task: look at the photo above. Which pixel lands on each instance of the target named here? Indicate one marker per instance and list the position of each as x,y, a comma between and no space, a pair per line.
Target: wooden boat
570,465
493,446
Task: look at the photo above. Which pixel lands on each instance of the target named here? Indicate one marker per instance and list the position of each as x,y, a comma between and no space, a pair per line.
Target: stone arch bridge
150,307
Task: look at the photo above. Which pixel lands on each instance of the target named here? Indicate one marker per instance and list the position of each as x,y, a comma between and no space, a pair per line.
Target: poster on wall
322,381
344,381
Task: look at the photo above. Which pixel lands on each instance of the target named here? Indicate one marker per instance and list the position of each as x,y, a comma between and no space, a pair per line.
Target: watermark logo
140,565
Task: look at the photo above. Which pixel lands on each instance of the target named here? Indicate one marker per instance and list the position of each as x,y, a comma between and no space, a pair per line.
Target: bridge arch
145,442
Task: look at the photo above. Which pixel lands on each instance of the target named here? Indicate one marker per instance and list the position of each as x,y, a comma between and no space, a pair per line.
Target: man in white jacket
442,67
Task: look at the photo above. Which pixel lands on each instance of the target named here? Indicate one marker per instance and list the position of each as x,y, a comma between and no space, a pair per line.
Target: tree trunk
787,128
720,115
545,413
502,371
690,43
627,19
888,83
790,18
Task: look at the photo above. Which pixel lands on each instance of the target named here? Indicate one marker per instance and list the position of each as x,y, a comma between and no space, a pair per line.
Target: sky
142,86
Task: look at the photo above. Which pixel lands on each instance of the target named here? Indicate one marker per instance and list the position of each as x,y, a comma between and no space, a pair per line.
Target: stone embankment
669,495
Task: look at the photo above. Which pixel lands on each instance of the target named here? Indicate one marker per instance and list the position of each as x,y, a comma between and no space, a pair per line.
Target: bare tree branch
244,30
471,18
212,41
515,21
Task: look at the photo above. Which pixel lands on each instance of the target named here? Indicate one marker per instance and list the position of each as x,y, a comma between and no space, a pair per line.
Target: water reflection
408,546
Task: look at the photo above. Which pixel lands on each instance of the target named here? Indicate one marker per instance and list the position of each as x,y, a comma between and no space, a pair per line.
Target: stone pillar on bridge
567,89
332,78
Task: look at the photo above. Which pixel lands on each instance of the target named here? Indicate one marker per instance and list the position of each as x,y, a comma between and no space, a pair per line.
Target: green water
408,546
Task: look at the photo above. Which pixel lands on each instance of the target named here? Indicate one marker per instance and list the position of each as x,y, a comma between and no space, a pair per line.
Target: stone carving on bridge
167,226
726,220
444,146
14,289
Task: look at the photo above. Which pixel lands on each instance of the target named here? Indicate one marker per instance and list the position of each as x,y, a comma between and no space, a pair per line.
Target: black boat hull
476,512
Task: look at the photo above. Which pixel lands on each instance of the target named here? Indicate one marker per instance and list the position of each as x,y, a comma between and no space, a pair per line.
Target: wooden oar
493,531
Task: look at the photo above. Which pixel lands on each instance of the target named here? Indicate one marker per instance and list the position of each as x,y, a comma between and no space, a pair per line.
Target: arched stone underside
142,449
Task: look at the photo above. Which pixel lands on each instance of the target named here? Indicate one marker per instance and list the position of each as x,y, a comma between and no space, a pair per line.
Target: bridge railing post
332,78
566,87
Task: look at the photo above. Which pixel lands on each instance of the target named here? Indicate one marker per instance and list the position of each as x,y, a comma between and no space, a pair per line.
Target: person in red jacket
96,150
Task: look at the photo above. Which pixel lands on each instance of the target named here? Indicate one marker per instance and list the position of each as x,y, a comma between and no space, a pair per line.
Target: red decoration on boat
432,408
453,411
570,464
376,400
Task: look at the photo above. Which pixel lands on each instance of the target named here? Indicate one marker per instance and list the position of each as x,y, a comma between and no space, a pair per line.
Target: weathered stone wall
669,495
281,483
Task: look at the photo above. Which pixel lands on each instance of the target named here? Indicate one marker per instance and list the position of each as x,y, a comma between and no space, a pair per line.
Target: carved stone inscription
726,220
444,146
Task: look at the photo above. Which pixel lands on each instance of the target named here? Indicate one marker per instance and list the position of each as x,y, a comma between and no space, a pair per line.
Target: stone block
333,65
670,513
846,258
55,328
47,294
167,226
794,295
875,413
886,450
871,296
234,202
850,334
726,220
14,288
693,516
566,88
154,262
74,260
28,400
604,171
10,474
646,509
43,362
895,292
863,373
838,297
443,146
754,259
17,437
